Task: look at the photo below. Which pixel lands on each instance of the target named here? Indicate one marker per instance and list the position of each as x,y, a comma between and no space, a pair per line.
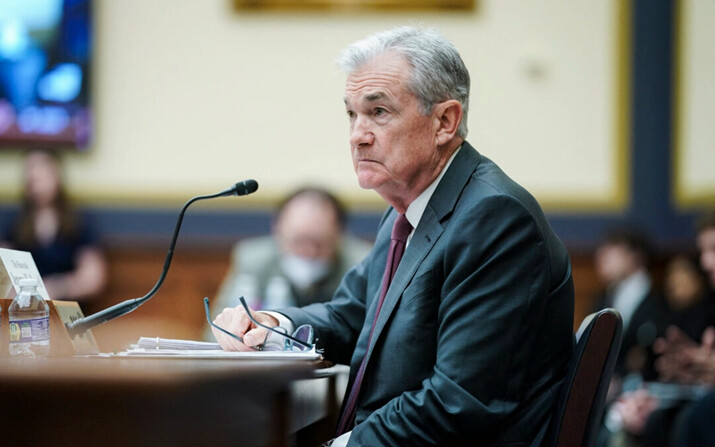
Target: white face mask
303,272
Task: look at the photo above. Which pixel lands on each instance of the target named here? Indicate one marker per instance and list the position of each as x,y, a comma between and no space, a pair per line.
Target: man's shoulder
476,180
493,180
490,192
255,251
257,243
490,187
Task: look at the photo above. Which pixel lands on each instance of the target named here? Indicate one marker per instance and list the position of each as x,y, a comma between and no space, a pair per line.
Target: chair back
583,394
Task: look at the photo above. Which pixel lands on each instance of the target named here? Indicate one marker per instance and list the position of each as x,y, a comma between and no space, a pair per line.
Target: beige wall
695,133
191,96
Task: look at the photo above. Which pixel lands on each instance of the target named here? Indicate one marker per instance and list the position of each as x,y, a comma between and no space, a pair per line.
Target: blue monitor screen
45,55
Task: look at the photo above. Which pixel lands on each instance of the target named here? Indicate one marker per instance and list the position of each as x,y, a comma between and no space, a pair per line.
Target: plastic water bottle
29,325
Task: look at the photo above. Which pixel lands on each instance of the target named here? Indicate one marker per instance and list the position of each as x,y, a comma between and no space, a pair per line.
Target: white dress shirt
630,293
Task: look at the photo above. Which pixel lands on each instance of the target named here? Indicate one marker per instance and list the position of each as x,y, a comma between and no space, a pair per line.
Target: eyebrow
374,96
371,97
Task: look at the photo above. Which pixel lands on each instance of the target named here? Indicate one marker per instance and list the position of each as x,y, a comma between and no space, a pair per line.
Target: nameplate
14,266
69,311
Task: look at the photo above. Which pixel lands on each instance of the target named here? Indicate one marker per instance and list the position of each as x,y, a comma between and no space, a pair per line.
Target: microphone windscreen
246,187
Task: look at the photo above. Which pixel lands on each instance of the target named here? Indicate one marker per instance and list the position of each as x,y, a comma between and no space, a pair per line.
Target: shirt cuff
342,440
283,322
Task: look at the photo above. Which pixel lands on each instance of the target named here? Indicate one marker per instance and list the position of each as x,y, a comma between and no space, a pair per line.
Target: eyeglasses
301,340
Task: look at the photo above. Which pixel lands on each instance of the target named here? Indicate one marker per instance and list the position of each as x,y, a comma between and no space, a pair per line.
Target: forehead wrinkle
373,84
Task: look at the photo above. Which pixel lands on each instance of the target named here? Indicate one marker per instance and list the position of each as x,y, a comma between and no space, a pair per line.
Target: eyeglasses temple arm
208,318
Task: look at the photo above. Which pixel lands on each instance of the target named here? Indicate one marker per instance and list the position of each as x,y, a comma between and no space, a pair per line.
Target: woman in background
63,246
686,290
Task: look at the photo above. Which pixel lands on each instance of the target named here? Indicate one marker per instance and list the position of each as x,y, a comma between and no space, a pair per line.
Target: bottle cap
28,282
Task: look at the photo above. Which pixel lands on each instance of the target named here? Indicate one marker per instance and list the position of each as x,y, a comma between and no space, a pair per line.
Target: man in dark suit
469,342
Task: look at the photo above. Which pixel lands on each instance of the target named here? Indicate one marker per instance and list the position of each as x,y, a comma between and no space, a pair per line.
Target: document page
157,347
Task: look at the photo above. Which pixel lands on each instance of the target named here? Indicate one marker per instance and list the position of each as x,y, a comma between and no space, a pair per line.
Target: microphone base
80,326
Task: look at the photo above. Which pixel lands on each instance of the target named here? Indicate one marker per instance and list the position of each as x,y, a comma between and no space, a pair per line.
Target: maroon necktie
400,230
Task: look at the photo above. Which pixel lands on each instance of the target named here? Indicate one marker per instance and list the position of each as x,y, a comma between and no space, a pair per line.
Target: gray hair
438,72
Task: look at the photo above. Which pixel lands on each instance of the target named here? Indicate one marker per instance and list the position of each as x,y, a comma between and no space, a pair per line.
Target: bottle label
27,331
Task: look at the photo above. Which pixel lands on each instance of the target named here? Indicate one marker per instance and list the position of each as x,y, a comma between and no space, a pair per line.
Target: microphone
79,326
243,188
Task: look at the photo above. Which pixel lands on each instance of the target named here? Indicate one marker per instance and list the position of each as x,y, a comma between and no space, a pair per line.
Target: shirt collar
630,293
417,208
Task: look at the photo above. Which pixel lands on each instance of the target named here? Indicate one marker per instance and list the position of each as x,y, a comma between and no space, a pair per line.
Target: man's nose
361,132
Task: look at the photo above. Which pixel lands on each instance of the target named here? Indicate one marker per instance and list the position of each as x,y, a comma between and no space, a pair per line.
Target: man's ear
449,113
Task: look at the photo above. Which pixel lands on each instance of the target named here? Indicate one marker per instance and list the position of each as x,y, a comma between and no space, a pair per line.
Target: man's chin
367,180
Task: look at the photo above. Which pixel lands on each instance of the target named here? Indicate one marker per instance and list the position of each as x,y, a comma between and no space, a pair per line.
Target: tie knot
401,229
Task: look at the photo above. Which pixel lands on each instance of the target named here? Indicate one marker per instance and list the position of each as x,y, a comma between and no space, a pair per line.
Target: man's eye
379,111
351,114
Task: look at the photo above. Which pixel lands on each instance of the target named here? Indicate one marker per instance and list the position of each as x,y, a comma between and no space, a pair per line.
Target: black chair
583,394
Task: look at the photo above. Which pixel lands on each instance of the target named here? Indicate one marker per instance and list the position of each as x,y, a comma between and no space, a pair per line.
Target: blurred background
600,109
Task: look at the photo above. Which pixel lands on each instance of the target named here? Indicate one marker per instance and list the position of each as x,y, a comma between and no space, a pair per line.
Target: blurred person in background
706,246
62,244
689,297
622,263
680,412
301,263
685,361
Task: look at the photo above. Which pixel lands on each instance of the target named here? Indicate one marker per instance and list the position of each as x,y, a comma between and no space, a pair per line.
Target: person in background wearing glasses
301,263
464,338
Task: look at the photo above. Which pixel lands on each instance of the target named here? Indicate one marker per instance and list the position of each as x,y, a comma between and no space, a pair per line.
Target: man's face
309,229
615,262
393,145
706,245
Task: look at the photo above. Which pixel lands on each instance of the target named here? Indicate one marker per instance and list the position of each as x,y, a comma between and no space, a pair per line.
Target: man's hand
236,321
682,360
634,409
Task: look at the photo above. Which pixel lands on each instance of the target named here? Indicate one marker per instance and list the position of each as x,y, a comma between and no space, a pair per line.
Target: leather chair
583,394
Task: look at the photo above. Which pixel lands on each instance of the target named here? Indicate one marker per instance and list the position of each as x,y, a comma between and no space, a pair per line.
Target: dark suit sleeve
489,375
338,322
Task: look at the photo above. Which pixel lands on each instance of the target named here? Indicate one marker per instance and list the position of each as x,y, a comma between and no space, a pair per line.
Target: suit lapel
427,233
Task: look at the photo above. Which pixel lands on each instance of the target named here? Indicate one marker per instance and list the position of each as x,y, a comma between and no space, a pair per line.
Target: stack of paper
172,348
170,343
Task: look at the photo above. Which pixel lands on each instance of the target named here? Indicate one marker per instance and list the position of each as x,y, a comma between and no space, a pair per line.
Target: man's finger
255,337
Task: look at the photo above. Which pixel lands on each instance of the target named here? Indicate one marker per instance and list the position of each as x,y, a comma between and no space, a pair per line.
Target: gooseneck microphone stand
80,325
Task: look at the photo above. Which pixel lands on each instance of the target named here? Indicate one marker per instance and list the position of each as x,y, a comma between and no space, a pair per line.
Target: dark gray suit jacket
475,333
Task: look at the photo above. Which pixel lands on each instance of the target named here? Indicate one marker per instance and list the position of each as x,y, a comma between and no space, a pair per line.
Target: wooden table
155,402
